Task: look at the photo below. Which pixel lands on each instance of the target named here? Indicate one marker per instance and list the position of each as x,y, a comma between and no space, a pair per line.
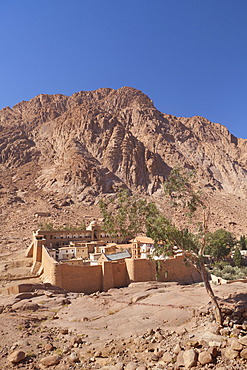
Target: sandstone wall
86,279
140,270
120,277
89,279
107,275
50,269
37,251
175,269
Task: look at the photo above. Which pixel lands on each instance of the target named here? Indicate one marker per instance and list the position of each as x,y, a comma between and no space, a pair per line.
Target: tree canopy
126,215
219,244
237,258
242,242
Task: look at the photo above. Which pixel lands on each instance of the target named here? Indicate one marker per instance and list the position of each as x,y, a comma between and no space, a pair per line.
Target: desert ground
149,325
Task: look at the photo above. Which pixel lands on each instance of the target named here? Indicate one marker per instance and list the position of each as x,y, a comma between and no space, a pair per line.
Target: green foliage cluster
242,242
50,227
179,187
126,215
219,244
46,226
237,258
69,227
229,272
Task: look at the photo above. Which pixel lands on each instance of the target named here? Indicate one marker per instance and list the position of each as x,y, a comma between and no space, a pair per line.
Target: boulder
73,357
130,366
190,358
230,354
16,357
243,340
205,357
180,359
177,349
49,347
243,354
50,360
167,357
235,345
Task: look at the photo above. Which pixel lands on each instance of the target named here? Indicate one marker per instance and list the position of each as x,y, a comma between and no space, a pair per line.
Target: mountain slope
74,149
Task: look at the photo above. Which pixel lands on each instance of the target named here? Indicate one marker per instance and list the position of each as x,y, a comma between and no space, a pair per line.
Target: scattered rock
243,354
73,357
190,358
167,357
230,354
49,347
130,366
64,331
235,345
16,357
180,359
205,357
50,360
177,349
243,340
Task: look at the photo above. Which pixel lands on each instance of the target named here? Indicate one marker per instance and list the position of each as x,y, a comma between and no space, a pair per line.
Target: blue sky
188,56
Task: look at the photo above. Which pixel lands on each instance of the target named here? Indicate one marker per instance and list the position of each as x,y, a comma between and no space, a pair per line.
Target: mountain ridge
92,143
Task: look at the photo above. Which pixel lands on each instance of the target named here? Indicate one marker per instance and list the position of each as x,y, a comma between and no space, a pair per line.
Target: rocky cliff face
95,142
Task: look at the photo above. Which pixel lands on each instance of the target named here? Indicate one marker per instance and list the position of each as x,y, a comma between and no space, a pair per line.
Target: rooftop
143,239
118,256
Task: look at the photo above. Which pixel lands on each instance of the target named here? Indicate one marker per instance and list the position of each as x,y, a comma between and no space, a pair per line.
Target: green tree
131,216
126,215
219,244
243,242
237,258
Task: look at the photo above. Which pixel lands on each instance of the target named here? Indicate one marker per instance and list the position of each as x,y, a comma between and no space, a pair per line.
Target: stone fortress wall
109,274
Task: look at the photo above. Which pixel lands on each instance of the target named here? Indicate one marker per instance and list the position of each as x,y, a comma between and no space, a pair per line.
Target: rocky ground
144,326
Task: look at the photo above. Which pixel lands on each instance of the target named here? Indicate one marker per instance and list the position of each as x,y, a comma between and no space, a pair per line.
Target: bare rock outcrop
95,142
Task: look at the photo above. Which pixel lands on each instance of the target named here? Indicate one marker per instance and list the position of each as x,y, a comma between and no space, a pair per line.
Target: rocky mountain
74,149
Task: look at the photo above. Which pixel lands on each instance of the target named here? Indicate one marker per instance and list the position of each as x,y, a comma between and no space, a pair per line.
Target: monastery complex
90,260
